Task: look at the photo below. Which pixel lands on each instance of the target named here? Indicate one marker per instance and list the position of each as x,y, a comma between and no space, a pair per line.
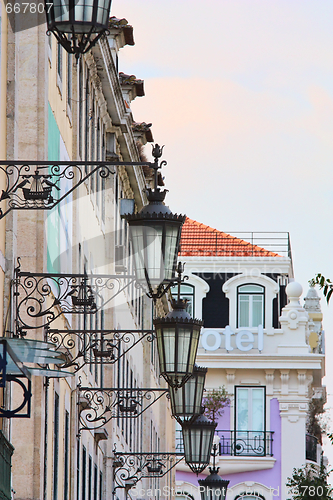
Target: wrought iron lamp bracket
80,347
97,406
31,185
129,468
39,298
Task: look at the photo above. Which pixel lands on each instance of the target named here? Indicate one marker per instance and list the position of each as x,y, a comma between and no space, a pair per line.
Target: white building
264,347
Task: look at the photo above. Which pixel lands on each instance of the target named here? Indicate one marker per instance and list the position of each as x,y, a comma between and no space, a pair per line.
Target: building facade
62,109
264,348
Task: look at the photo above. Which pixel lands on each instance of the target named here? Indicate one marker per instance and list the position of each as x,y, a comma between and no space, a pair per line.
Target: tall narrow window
69,80
101,486
84,472
250,421
98,157
95,482
89,477
56,446
78,469
80,108
59,63
66,456
250,301
86,119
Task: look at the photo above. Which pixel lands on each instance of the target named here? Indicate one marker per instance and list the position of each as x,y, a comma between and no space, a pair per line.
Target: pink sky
241,94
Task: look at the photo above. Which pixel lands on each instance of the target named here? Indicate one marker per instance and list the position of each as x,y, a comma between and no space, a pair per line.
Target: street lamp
177,337
186,401
77,24
198,441
155,235
213,487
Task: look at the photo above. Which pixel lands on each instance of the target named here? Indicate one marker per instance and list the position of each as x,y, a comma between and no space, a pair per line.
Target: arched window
250,496
250,305
184,495
186,292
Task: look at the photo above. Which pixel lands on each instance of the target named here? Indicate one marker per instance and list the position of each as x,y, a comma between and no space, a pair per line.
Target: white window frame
250,295
271,291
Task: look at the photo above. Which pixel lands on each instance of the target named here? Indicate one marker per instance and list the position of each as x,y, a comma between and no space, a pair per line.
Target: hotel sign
243,340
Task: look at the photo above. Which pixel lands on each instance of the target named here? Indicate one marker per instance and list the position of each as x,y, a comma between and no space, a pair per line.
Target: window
56,446
250,421
100,486
250,408
59,66
84,472
95,482
89,477
186,292
250,496
66,457
250,302
80,109
69,80
78,469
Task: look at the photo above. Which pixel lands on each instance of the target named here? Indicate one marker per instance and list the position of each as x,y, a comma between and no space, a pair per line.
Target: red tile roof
200,240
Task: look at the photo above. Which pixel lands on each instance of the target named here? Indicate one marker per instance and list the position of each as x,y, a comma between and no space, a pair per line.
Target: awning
17,354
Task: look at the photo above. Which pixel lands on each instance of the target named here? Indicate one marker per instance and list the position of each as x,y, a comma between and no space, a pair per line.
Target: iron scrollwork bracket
130,468
41,185
97,406
80,347
39,298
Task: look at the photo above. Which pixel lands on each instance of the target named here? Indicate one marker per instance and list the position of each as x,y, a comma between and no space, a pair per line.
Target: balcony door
249,435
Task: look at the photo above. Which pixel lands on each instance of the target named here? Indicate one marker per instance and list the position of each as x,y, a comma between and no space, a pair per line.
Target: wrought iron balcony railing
311,448
239,443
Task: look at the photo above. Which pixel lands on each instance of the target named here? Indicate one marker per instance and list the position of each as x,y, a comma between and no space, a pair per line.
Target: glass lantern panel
184,347
137,237
79,10
103,12
61,10
154,258
171,250
169,340
160,349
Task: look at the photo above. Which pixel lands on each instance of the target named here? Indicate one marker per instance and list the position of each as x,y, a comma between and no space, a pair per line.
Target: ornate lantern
186,401
77,24
213,487
177,341
198,441
155,235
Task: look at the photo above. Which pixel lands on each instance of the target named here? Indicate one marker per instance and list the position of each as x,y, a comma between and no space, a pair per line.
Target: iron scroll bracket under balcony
130,468
40,298
97,406
42,185
79,347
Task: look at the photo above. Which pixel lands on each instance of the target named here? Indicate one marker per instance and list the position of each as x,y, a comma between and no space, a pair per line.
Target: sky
241,94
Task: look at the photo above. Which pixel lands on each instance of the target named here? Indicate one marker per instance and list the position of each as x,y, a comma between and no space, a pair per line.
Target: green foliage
324,284
215,401
309,483
315,425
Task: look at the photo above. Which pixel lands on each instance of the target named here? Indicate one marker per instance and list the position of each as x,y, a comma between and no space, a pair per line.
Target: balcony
311,443
239,443
6,451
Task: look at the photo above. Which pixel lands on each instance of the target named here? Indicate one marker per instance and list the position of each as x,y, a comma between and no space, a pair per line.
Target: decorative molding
269,381
284,375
